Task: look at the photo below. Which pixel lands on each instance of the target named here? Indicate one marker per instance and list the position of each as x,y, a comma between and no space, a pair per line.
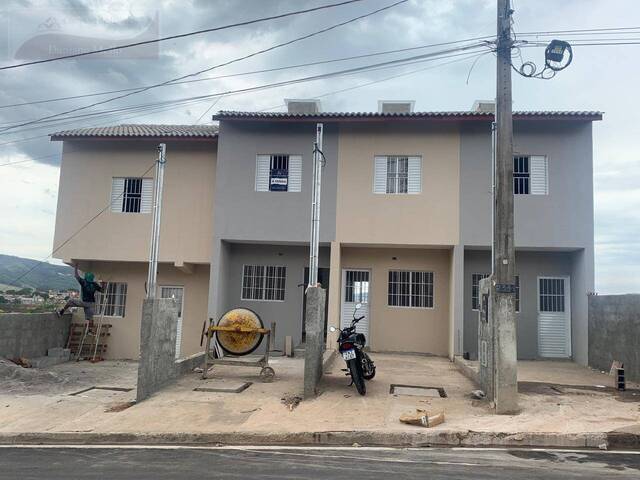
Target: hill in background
44,277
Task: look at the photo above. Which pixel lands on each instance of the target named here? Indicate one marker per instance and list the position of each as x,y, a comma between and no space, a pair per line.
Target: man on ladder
88,289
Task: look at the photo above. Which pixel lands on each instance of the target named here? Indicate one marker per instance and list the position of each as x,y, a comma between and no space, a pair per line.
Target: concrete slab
338,415
415,391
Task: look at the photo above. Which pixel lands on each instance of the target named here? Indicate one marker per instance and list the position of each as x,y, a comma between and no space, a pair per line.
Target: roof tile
141,131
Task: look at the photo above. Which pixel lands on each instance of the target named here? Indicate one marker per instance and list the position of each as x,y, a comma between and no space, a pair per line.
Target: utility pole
155,228
314,244
503,284
315,295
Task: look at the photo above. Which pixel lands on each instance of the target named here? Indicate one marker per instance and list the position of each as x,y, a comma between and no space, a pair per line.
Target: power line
29,160
462,57
253,72
85,225
182,35
259,52
381,65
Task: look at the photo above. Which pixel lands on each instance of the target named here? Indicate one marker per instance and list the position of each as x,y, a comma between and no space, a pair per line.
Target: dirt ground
189,405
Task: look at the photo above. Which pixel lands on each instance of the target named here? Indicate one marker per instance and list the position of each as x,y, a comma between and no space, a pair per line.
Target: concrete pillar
314,347
335,287
158,329
505,355
217,276
582,284
456,302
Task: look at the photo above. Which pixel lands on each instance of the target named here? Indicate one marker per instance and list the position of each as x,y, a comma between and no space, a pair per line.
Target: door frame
567,309
180,318
343,292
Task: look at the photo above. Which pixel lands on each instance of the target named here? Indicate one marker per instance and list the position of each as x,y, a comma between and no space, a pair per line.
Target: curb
440,438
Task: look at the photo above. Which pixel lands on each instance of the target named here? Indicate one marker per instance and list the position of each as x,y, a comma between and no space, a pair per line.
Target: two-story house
405,222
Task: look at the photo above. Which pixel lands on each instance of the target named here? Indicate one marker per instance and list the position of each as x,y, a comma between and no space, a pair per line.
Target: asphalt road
120,463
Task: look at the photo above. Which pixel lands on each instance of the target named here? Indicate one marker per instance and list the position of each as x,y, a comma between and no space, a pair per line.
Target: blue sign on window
279,180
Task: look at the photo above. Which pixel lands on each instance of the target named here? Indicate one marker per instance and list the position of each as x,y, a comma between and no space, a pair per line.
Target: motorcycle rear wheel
356,376
368,373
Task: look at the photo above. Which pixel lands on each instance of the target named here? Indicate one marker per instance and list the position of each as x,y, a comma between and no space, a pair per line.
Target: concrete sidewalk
552,415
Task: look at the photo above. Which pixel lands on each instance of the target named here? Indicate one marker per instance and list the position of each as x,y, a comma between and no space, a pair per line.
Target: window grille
397,174
356,286
260,282
279,173
410,289
552,295
521,176
475,289
114,297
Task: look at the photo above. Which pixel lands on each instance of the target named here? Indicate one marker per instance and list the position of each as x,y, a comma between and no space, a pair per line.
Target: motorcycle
351,347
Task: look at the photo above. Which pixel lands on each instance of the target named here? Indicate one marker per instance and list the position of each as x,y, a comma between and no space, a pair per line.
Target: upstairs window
530,175
279,173
397,174
131,195
410,289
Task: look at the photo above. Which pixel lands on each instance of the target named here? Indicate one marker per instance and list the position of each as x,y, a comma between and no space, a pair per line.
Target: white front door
177,293
355,289
554,317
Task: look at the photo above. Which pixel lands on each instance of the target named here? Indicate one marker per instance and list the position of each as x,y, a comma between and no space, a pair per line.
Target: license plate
349,354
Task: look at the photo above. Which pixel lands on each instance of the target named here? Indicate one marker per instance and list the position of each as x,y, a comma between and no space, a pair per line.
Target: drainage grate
224,387
417,391
110,389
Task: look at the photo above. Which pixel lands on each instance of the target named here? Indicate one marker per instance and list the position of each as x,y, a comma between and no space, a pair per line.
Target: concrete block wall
614,333
30,335
158,329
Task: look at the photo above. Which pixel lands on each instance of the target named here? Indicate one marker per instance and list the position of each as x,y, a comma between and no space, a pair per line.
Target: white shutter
414,171
263,165
539,171
295,173
380,175
117,192
147,195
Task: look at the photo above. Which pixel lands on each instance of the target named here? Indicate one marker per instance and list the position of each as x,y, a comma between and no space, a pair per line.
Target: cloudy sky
600,78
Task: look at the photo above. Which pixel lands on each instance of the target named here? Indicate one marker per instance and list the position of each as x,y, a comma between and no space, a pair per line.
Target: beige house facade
405,205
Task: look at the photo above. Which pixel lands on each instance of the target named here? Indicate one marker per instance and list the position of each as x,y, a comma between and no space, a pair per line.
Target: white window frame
538,174
482,276
411,286
263,288
119,309
381,174
264,167
118,195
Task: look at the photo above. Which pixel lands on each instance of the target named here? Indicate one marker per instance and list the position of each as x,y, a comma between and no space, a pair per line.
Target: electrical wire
463,57
381,65
29,160
182,35
253,72
256,53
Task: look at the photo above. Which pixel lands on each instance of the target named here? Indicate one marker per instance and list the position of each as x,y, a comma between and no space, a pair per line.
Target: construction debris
478,395
291,401
422,418
21,361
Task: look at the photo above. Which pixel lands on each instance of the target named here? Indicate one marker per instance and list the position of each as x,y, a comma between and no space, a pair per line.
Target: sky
601,78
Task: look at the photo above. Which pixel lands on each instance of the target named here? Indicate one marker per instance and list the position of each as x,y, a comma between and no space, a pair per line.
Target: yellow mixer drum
240,343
